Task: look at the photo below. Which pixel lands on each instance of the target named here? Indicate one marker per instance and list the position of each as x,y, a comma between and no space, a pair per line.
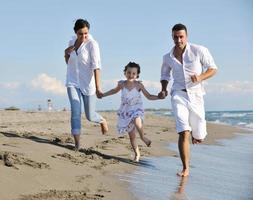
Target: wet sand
37,160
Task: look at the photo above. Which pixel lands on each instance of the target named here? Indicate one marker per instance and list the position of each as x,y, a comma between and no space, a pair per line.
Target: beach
38,161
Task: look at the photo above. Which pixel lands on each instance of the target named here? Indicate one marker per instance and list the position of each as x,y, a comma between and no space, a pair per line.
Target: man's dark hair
133,65
179,27
81,23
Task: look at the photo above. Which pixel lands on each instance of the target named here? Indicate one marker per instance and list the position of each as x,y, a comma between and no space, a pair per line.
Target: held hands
162,94
99,94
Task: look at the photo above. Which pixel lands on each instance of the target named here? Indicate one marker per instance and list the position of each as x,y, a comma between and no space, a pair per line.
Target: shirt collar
172,50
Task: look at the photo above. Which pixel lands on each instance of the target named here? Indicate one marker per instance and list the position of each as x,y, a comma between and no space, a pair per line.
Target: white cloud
231,87
10,85
48,84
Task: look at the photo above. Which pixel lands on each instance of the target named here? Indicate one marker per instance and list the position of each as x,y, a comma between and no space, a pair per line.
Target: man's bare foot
196,141
183,173
104,127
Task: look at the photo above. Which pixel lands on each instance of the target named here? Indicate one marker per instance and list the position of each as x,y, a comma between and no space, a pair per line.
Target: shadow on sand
88,151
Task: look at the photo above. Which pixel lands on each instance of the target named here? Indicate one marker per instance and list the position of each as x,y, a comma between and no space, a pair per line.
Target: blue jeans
75,97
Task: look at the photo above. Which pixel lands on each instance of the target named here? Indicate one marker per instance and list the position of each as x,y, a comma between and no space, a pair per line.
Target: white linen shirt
81,66
196,59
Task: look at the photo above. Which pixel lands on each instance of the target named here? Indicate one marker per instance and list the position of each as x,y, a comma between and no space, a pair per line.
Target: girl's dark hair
81,23
133,65
179,27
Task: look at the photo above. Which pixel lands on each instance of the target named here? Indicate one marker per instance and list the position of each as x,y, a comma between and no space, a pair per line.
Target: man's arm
164,91
207,74
165,76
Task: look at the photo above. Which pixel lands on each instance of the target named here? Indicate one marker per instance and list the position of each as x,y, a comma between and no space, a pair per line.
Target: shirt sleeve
207,60
165,70
95,55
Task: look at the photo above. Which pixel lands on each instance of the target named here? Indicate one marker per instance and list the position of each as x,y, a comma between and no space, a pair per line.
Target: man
189,65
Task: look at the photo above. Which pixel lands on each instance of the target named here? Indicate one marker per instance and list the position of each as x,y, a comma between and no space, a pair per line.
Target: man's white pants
189,111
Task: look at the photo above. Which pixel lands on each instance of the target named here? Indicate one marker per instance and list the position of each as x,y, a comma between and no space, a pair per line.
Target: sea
217,172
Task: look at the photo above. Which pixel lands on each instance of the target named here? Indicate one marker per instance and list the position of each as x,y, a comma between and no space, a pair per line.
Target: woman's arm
147,94
97,82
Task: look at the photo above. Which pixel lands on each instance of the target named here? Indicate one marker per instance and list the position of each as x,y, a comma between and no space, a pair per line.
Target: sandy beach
37,160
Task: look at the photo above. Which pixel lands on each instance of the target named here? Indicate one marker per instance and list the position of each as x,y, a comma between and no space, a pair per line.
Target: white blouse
81,66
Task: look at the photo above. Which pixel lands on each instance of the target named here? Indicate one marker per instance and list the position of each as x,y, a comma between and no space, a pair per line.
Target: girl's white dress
131,107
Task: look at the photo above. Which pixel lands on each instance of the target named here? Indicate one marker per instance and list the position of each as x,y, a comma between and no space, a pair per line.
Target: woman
83,78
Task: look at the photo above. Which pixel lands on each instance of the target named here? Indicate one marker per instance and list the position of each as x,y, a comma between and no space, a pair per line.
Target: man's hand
195,78
162,94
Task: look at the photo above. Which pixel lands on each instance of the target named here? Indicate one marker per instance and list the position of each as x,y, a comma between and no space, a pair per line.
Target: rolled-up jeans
76,98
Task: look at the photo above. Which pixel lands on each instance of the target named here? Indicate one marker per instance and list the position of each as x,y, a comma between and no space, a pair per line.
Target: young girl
131,112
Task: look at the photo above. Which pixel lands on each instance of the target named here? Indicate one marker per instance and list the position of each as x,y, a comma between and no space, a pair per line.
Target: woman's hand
99,94
69,50
67,53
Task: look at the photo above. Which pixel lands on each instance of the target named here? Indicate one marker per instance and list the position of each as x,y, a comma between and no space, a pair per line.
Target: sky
34,35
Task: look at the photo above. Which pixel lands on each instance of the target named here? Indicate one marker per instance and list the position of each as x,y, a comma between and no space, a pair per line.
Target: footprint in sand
11,159
66,194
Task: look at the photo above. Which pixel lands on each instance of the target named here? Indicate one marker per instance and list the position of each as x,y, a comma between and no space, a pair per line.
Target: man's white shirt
196,59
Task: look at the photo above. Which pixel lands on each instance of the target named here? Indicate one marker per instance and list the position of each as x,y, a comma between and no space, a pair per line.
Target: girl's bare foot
137,158
147,142
183,173
137,155
104,127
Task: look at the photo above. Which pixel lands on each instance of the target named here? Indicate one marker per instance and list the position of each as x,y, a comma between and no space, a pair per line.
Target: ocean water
217,172
236,118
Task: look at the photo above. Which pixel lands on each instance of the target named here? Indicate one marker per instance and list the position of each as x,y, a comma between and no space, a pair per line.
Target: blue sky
34,35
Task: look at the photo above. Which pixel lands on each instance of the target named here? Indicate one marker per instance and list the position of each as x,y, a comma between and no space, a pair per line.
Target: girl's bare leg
134,145
139,127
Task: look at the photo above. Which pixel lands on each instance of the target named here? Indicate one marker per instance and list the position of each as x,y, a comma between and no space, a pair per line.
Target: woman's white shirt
81,66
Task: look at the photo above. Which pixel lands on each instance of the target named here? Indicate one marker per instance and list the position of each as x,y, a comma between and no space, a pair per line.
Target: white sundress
131,107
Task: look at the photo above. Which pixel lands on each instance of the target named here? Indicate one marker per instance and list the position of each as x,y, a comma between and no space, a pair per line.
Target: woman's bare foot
77,146
183,173
77,142
104,127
